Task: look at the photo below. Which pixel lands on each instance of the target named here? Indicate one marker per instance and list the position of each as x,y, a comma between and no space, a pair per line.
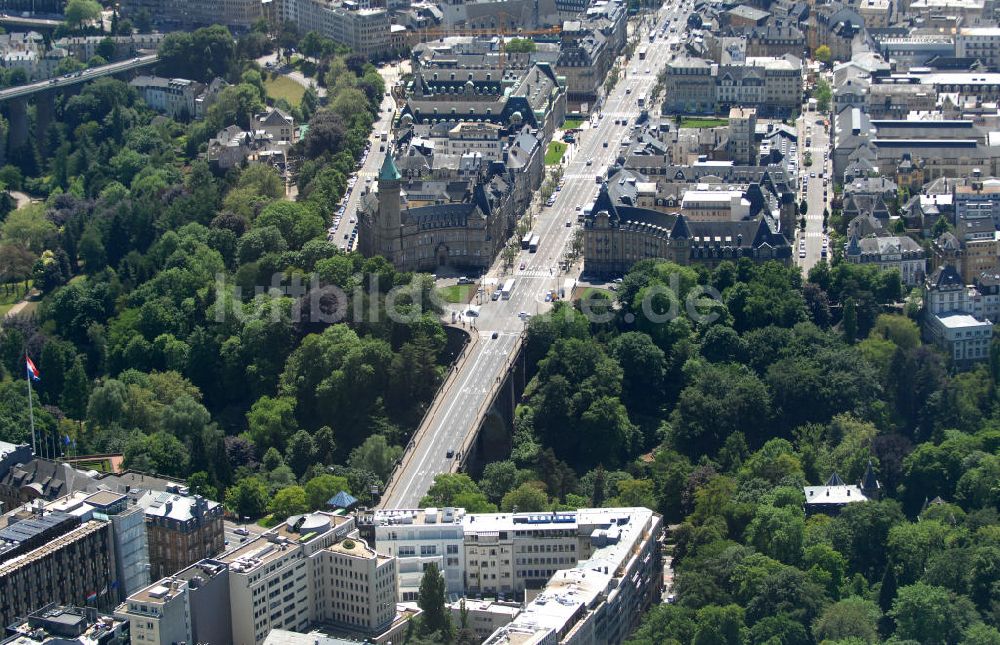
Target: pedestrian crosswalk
534,273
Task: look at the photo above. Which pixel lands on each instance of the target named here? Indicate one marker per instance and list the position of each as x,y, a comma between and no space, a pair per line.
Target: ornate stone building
467,233
618,236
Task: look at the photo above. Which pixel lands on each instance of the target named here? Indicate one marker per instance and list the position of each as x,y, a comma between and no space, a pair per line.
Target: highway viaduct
44,94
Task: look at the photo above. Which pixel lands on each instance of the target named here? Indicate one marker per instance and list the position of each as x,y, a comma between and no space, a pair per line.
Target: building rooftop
272,545
571,593
61,624
955,320
447,515
160,592
182,508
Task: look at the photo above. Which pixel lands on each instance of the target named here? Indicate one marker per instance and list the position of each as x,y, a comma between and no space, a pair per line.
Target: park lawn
703,122
282,87
555,153
457,293
10,298
583,293
571,124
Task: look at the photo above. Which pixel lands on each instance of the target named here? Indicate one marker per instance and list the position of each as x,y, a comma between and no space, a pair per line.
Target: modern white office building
498,554
601,598
417,538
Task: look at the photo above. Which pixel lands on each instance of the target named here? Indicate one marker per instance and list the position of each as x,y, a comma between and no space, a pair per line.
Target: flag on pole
92,596
32,370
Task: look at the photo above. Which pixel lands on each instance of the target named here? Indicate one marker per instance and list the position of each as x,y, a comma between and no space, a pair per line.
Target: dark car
495,335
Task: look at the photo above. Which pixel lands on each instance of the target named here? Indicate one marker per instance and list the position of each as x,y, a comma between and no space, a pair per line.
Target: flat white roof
961,321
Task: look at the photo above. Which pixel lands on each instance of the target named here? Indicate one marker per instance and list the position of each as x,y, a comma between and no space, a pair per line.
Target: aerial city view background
503,322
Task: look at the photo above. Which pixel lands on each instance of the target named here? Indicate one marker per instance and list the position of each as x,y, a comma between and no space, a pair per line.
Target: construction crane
501,31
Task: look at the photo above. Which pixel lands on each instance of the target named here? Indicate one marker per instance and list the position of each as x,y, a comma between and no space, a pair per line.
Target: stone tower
388,221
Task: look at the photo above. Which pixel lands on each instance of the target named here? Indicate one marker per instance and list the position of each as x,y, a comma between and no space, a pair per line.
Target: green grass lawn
9,298
284,88
555,153
457,293
583,293
703,122
572,123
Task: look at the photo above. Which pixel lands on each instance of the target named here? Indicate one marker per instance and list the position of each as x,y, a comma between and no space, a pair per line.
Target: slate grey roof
945,276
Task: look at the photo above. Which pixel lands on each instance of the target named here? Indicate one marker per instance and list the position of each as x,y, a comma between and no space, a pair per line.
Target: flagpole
31,406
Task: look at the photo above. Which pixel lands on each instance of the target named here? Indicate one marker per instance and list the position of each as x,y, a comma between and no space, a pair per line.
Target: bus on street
526,241
641,101
533,244
642,52
507,289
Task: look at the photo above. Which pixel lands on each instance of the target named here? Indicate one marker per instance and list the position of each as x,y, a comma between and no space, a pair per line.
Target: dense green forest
719,425
247,395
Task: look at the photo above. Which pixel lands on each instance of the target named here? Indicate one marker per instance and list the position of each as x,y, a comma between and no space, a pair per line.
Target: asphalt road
813,236
343,231
457,411
234,539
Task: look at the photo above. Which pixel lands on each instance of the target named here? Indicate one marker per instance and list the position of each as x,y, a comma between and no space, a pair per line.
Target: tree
376,455
778,532
719,626
930,614
446,486
431,599
321,488
852,617
850,322
289,501
823,94
106,48
199,483
300,452
499,478
520,46
248,497
326,445
663,624
76,391
78,12
803,207
526,498
29,228
271,422
822,54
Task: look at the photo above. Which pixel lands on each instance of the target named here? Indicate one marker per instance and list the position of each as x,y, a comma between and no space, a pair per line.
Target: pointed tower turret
869,484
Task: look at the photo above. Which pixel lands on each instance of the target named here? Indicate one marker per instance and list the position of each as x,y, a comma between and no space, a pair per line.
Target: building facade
174,97
949,320
56,557
190,14
367,31
617,576
616,237
890,252
466,233
182,530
